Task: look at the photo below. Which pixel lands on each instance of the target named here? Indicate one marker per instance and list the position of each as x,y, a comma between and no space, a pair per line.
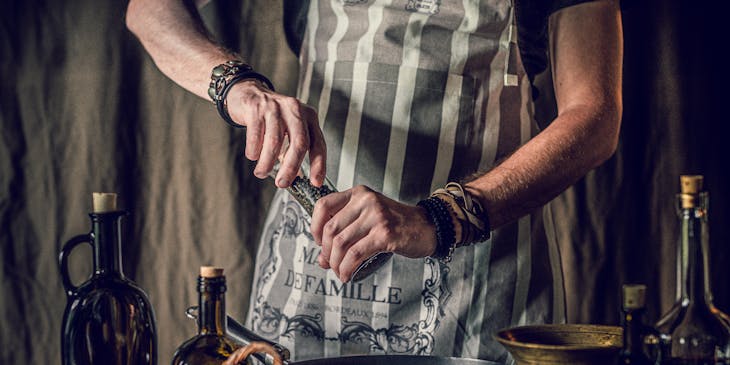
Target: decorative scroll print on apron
410,94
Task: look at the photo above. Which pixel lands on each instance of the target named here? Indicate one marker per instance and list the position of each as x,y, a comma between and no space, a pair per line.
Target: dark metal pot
272,353
258,348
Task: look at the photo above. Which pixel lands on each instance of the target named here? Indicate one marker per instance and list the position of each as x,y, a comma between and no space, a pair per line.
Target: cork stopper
104,202
634,296
691,186
210,272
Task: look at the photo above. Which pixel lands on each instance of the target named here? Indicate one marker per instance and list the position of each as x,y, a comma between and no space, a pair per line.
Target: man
411,95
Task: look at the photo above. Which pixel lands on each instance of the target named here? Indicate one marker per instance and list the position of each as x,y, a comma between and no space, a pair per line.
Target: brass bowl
575,344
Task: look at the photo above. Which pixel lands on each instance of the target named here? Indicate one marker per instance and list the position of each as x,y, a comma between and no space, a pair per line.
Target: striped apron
411,94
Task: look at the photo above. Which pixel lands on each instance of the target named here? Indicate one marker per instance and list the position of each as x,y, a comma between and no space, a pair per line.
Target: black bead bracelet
438,212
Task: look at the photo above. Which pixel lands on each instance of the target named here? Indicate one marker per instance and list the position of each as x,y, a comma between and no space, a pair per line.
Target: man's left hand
357,223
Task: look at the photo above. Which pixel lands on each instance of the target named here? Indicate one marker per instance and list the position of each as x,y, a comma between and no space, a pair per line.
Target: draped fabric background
84,109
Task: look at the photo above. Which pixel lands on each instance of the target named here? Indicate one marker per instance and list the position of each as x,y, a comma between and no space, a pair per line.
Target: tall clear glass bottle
108,319
212,344
694,331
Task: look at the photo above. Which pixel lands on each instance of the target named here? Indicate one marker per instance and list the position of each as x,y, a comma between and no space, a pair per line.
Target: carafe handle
63,261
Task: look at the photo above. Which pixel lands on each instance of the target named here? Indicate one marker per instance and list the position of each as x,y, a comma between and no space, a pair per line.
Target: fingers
325,210
356,255
254,139
298,143
273,140
317,147
270,118
342,243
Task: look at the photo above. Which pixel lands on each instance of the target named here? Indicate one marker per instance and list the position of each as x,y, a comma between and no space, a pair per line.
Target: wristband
223,77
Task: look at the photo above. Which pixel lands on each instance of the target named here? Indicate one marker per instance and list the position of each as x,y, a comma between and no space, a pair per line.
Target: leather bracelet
223,77
467,211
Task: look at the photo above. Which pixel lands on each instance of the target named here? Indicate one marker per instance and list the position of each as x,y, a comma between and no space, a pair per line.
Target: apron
410,94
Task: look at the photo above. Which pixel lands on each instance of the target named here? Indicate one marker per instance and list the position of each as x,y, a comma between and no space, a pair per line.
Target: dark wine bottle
634,328
108,319
694,331
212,344
307,195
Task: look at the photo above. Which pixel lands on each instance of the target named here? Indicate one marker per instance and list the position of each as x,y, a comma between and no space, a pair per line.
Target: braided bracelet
438,212
468,212
223,77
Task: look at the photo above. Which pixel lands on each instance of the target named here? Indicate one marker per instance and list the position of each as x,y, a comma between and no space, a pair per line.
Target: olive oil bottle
212,344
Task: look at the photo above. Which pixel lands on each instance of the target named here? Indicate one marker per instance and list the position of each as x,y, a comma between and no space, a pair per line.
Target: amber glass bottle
694,331
108,319
212,344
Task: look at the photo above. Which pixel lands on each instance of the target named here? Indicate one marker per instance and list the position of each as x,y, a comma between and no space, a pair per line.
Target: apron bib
411,94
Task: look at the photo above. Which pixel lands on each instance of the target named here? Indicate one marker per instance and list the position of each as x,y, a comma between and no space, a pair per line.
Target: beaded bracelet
438,212
223,77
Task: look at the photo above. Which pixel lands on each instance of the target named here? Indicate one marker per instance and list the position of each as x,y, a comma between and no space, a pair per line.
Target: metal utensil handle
71,289
245,336
244,352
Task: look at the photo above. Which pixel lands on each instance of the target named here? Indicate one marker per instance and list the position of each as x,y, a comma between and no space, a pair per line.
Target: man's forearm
586,54
576,142
174,35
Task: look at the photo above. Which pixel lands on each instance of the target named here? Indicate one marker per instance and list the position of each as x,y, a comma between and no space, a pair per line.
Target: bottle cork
210,272
104,202
634,296
691,186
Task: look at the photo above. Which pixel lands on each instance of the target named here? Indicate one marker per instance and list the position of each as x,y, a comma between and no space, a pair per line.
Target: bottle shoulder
204,349
114,285
101,294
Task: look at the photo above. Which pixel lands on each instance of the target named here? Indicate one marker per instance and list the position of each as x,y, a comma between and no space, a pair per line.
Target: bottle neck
633,323
695,285
107,237
212,312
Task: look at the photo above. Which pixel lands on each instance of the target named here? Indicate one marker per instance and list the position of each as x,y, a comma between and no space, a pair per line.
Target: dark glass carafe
694,331
108,319
212,345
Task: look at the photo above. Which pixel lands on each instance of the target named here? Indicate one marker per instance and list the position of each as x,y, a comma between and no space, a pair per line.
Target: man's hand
271,119
177,40
357,223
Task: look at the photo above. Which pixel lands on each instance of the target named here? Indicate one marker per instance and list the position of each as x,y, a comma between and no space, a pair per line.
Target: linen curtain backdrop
84,109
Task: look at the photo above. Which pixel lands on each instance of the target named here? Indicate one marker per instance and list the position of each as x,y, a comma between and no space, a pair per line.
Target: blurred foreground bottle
694,331
108,319
634,329
212,344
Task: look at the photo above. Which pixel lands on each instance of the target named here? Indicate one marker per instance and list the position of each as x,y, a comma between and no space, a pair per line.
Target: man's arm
174,35
586,51
586,56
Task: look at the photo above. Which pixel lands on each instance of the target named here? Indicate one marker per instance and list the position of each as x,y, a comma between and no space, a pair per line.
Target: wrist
458,217
223,79
426,235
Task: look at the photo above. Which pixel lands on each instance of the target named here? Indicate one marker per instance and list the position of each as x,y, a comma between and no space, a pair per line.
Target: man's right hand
176,39
270,120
